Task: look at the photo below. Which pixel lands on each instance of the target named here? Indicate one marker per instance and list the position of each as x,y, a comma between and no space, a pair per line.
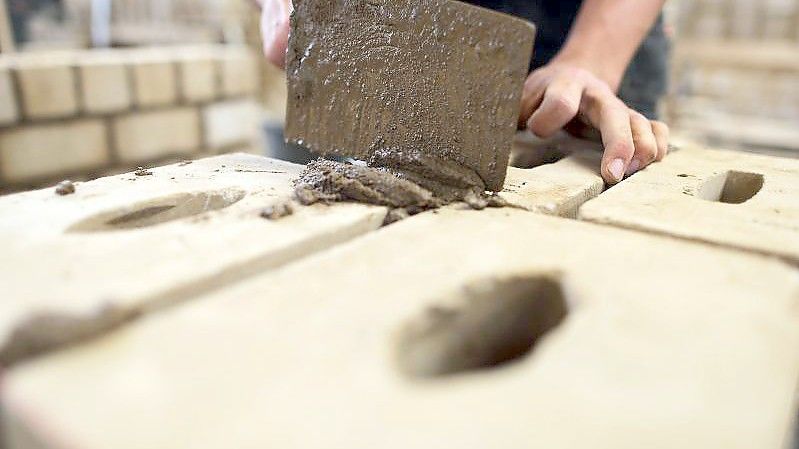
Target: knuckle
564,106
621,148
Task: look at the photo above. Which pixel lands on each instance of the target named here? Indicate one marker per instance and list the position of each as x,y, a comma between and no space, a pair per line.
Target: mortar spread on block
404,191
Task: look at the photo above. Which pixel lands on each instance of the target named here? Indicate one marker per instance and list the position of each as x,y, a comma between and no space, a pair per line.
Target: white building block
9,112
239,72
104,82
397,340
154,135
36,152
231,123
154,78
198,76
78,264
47,85
738,200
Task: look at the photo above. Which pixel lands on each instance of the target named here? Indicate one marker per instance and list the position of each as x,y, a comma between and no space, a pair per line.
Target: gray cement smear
426,91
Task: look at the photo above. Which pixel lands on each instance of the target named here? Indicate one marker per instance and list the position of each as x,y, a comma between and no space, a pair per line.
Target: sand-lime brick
732,199
122,245
231,123
497,328
9,111
238,72
39,152
147,237
198,76
47,85
105,83
155,80
157,134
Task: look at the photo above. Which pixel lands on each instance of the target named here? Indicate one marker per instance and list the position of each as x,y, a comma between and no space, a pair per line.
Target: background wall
735,76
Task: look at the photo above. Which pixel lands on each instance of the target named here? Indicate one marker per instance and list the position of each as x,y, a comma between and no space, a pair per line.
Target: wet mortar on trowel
413,93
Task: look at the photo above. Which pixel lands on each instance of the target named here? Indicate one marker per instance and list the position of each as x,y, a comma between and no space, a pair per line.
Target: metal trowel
435,83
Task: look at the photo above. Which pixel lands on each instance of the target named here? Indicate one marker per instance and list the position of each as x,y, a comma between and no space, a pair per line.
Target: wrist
592,60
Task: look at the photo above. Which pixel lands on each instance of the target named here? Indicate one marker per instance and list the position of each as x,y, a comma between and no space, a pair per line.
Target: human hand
564,95
275,29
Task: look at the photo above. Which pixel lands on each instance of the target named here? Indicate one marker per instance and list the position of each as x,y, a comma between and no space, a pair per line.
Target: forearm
606,35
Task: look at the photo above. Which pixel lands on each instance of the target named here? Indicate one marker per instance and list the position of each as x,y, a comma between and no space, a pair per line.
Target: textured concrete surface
732,199
75,264
695,348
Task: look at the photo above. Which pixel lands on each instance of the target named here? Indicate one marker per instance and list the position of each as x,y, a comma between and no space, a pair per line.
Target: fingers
560,105
556,98
275,30
532,95
646,146
612,117
661,131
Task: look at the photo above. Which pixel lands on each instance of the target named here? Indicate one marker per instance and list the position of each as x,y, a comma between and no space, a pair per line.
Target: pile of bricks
83,113
736,73
163,310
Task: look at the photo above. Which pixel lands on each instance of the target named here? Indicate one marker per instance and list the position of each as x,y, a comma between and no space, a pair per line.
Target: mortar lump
404,191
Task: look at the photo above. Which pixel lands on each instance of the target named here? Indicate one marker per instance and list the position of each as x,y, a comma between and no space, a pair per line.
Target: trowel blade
437,77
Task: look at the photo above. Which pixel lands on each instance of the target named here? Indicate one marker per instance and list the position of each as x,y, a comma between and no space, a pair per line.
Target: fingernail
634,166
616,169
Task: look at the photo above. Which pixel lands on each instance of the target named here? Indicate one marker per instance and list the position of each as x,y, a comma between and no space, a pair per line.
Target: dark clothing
646,79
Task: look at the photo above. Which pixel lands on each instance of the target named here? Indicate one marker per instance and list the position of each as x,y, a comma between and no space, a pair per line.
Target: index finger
612,118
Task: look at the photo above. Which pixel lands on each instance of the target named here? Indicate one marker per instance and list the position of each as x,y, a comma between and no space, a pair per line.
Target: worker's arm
582,80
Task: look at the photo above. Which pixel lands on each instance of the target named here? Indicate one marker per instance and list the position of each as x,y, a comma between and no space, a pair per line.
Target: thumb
275,30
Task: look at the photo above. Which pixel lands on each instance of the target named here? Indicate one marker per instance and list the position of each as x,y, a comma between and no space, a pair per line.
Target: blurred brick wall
85,113
736,73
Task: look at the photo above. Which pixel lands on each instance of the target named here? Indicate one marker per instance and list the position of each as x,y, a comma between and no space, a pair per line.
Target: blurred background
95,87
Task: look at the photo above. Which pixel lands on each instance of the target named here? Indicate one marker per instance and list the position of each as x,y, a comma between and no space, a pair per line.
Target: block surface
231,123
153,135
127,243
154,80
706,195
47,86
9,112
696,350
34,152
104,83
388,75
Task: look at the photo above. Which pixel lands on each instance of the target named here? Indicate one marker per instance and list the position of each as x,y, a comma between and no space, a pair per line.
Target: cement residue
405,191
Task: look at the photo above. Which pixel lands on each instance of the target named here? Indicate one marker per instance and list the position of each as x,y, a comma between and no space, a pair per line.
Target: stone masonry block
198,76
153,135
76,265
231,123
47,85
39,152
154,78
239,72
738,200
9,112
496,328
104,82
123,228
